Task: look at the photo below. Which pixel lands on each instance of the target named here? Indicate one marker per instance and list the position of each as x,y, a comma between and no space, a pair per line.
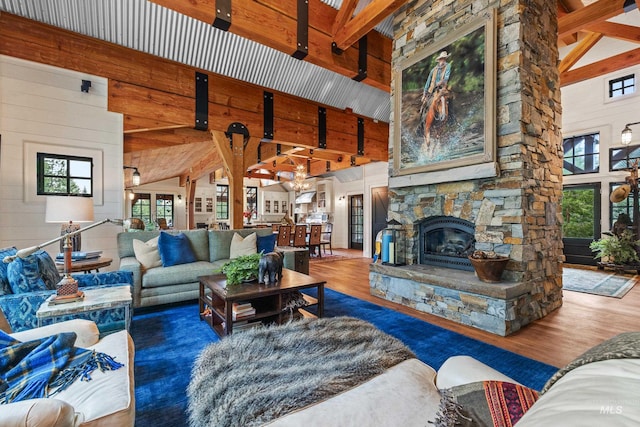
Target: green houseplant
618,249
241,269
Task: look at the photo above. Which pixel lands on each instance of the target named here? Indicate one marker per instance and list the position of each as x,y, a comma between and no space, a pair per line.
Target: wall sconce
132,195
86,84
179,197
625,137
341,198
136,175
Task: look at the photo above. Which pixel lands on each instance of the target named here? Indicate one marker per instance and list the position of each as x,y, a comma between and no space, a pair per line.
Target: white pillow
147,253
240,246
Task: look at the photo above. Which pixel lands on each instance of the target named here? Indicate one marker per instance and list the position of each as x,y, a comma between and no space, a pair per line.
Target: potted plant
241,269
618,249
488,265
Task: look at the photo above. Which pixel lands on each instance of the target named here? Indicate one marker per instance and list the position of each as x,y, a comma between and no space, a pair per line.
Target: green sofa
162,285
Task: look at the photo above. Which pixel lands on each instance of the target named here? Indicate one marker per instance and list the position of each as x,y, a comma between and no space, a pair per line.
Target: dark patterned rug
597,282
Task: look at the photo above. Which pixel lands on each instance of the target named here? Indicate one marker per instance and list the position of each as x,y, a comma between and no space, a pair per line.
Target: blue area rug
169,338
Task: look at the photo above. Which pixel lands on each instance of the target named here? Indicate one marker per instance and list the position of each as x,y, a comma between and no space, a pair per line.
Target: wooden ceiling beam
624,32
347,8
578,52
580,19
365,21
250,18
600,68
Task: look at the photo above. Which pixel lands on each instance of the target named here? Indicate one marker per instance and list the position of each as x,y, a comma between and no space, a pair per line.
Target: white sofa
107,400
408,394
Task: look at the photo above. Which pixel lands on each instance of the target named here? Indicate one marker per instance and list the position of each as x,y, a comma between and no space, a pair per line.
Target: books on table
241,310
79,256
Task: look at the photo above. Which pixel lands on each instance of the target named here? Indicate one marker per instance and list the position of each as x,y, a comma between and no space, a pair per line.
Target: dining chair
300,236
284,235
314,239
325,238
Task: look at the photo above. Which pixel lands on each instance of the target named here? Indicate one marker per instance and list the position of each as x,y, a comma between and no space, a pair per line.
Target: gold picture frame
454,124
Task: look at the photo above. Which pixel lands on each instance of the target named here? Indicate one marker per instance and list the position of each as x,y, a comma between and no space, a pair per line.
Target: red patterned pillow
484,403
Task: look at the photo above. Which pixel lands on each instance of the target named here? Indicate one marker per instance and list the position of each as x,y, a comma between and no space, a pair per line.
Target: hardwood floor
583,321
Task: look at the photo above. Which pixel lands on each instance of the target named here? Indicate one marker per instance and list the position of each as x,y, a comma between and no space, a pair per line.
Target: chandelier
299,176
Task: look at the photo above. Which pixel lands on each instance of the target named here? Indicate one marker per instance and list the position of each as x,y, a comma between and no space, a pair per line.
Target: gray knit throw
256,376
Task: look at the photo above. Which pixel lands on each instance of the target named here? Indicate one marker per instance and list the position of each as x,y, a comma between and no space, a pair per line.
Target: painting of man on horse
435,97
442,117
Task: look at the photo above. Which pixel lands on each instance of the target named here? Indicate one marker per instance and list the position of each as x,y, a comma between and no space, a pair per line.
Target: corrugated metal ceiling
150,28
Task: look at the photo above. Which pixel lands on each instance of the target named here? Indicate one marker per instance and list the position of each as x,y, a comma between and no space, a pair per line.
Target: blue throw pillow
175,249
266,244
24,275
4,279
48,270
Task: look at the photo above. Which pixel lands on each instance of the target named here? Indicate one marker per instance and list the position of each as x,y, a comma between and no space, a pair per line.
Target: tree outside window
64,175
222,201
141,208
164,208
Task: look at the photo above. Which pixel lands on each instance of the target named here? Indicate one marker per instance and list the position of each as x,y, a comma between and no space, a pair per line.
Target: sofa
108,399
162,284
342,371
20,304
591,391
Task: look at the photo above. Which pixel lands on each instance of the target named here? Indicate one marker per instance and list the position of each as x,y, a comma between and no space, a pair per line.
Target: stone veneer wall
517,212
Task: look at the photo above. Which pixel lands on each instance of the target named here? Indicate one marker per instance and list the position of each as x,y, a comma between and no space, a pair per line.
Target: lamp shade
69,209
626,136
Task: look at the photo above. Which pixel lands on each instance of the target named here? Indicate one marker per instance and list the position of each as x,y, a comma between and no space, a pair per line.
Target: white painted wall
587,109
43,108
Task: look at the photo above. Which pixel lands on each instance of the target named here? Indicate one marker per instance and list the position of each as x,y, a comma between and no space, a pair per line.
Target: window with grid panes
141,207
164,208
622,86
222,201
581,154
64,175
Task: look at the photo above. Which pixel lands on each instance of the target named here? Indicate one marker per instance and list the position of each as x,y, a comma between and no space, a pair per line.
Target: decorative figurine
270,268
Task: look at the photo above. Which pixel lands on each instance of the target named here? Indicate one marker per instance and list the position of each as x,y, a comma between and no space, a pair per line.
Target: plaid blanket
43,367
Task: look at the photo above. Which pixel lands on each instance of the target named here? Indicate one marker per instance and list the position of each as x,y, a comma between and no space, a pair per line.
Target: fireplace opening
446,241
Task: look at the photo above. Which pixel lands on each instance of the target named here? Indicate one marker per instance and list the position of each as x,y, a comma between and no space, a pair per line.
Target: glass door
356,221
581,222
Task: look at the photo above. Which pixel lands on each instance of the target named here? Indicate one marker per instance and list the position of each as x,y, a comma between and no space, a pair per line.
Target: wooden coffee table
266,299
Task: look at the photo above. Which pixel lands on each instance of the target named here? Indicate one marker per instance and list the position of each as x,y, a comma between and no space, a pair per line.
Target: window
622,86
623,207
164,208
252,201
581,154
64,175
222,202
141,207
622,158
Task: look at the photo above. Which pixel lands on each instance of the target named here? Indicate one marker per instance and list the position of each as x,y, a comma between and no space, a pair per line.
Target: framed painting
444,109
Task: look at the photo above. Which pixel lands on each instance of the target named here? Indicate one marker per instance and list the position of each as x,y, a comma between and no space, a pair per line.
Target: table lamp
69,211
73,210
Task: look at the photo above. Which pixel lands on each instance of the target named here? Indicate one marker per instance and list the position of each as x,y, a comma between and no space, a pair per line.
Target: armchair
20,309
83,403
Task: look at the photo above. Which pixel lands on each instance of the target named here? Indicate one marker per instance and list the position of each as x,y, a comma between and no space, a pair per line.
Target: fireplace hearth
446,241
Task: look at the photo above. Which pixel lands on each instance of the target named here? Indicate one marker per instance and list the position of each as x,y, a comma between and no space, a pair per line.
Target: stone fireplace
510,205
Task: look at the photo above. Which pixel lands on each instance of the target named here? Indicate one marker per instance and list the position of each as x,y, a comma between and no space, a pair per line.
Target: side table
86,265
109,308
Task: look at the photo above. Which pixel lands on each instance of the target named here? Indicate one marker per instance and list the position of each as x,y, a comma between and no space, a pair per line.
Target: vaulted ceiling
315,94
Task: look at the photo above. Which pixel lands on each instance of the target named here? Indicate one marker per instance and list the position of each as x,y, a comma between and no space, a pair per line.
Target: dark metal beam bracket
202,101
223,15
302,42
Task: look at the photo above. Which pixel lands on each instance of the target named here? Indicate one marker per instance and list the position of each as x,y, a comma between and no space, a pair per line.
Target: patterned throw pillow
175,249
48,270
4,280
484,403
24,275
